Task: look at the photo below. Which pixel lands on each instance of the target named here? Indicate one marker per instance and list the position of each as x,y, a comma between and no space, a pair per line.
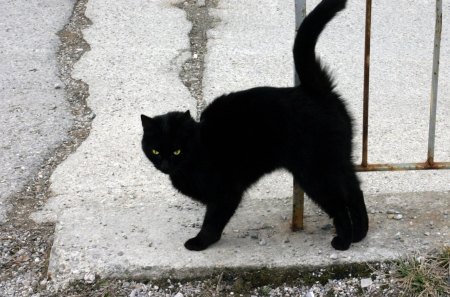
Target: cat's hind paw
341,244
359,235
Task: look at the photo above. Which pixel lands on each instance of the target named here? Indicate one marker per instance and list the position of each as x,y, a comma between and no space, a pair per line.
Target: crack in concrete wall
191,74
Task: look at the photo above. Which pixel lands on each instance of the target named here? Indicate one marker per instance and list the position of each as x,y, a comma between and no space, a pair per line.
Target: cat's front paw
201,241
196,244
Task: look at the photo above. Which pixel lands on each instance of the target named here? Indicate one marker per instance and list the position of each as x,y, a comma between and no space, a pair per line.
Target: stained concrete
117,216
34,115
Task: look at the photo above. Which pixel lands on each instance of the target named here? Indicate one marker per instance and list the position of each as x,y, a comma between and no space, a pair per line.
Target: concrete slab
34,115
117,216
144,237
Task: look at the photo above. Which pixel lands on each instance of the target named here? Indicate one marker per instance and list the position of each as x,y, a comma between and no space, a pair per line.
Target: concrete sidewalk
117,216
34,115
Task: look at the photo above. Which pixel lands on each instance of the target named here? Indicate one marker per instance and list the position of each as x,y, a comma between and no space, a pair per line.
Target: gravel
366,282
216,286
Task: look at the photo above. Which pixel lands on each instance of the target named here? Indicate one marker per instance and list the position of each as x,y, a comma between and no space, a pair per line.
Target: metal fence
429,163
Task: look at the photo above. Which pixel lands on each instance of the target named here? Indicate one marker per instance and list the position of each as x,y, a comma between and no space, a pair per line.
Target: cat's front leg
217,216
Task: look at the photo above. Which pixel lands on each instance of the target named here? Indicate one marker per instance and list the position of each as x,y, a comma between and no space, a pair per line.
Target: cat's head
169,139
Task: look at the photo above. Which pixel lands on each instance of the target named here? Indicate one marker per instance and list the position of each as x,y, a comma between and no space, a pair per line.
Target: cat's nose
164,167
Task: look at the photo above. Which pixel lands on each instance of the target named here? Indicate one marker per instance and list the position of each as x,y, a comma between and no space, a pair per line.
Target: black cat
245,135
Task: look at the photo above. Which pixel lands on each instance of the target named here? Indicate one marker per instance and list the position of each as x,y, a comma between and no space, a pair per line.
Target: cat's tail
313,75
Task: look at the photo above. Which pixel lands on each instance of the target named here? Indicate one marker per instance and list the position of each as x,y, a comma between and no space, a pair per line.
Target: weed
422,275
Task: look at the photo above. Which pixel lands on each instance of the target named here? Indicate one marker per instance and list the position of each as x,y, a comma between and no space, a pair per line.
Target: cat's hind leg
357,208
328,191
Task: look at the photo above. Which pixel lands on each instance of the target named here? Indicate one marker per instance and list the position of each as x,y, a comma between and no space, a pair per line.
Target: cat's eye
155,152
177,152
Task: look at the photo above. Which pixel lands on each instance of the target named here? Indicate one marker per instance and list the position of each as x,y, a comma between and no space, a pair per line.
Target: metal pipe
366,82
434,82
298,196
300,13
403,166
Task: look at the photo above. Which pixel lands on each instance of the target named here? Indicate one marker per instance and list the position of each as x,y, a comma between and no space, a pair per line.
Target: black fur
244,135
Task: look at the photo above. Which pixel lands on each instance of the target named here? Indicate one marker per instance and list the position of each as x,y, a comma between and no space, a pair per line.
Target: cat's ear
187,114
147,122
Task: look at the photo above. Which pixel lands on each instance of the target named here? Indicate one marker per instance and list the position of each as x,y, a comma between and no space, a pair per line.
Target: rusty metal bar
366,82
429,164
298,196
298,208
434,81
403,166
